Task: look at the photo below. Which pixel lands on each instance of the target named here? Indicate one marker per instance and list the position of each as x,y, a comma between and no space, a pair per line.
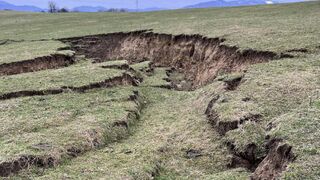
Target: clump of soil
40,63
231,83
198,58
23,162
277,159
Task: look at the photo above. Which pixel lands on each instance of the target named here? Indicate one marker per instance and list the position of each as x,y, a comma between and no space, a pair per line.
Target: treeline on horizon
53,8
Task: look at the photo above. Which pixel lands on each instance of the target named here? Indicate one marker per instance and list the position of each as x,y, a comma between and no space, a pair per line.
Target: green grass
82,73
300,128
273,89
140,66
157,78
18,51
285,92
170,125
276,27
61,121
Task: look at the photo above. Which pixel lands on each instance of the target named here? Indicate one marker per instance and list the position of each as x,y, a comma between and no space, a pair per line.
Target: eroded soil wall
37,64
199,58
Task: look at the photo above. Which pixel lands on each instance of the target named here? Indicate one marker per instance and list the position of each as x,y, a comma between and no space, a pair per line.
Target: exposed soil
40,63
277,159
23,162
124,79
222,127
93,140
301,50
199,58
270,166
247,158
232,84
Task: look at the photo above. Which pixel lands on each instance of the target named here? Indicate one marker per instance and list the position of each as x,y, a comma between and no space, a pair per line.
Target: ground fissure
53,61
200,59
93,140
277,155
194,61
124,79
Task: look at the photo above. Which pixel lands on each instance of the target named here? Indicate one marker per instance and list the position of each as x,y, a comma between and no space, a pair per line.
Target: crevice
124,79
278,157
9,41
198,58
24,162
53,61
132,115
247,158
232,83
299,50
93,140
222,127
268,165
168,86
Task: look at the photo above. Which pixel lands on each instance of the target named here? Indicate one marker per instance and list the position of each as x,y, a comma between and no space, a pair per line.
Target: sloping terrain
237,97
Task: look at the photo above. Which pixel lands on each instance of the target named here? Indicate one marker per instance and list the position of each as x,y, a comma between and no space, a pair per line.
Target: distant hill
8,6
100,8
222,3
218,3
148,9
89,9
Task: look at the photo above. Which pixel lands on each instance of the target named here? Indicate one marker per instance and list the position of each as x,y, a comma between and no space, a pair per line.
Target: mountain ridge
222,3
7,6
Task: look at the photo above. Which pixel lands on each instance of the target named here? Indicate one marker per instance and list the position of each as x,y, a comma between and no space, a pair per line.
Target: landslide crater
199,59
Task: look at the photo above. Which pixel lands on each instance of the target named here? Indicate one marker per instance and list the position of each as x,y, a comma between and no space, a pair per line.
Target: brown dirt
246,159
301,50
232,84
40,63
23,162
199,58
124,79
277,159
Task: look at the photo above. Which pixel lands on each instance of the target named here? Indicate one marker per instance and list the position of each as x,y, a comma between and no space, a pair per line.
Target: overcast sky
170,4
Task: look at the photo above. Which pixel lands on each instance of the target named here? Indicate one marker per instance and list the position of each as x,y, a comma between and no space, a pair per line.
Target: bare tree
52,7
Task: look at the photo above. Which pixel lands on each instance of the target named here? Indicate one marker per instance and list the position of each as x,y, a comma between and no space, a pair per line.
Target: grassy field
52,124
18,51
164,133
277,27
80,74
